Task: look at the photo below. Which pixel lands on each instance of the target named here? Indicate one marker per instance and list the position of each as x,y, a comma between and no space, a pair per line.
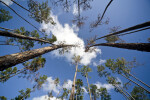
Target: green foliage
84,70
23,44
3,98
93,89
101,71
29,69
56,81
53,39
41,12
104,94
112,80
120,65
79,91
65,94
99,92
139,94
76,59
41,80
35,64
23,95
4,15
6,74
112,39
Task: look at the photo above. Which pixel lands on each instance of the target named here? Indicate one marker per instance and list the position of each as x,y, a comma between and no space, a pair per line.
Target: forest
74,50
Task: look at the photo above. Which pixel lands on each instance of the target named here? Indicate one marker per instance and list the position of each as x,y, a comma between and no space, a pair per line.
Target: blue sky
123,13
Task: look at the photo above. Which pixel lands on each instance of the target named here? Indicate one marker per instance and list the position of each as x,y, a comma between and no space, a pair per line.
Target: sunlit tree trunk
15,35
136,83
126,92
133,46
88,87
14,59
122,92
138,80
74,83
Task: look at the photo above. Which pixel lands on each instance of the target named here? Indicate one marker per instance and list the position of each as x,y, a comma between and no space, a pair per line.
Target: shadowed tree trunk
132,46
136,83
14,59
15,35
74,83
146,24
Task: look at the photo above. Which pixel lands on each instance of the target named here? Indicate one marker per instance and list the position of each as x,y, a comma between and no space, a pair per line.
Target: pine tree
4,15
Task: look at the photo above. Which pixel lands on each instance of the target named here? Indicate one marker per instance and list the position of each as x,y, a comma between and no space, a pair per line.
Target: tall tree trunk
88,87
15,35
76,97
132,46
126,92
139,80
128,29
14,59
73,85
94,97
136,83
122,92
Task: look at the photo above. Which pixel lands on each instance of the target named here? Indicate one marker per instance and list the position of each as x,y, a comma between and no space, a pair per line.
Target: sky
125,13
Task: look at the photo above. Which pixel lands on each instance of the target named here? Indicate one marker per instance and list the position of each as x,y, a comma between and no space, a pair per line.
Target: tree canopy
74,50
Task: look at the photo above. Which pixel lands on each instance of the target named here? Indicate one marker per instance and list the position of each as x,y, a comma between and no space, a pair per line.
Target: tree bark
74,83
15,35
133,46
88,87
139,80
14,59
136,83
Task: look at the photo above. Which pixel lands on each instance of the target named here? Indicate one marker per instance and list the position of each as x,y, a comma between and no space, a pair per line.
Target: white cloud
50,85
75,9
68,84
119,80
8,2
101,61
105,85
69,35
45,97
85,91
